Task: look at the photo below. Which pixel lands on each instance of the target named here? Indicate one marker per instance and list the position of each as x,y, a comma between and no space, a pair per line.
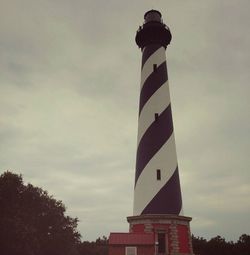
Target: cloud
69,104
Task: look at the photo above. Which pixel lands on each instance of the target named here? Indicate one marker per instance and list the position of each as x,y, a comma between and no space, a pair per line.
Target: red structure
157,226
131,243
153,234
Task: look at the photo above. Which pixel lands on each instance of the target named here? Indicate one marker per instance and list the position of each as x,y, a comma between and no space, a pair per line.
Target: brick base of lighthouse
171,232
154,234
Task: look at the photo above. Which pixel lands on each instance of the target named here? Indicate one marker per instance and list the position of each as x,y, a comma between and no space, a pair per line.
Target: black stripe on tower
168,199
153,139
153,83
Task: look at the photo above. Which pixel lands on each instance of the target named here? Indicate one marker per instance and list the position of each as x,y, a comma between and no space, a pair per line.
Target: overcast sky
69,91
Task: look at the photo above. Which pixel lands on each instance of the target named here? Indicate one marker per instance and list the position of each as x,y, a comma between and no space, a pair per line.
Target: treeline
219,246
99,247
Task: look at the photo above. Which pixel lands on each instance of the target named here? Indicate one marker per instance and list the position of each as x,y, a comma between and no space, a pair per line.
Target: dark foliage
99,247
32,222
218,245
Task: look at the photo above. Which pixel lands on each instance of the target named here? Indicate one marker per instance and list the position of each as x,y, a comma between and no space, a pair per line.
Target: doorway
161,243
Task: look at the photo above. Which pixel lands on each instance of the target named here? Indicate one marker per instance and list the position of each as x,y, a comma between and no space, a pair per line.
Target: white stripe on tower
157,186
158,57
156,104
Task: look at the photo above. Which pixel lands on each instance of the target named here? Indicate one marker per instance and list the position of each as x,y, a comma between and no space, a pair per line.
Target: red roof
131,239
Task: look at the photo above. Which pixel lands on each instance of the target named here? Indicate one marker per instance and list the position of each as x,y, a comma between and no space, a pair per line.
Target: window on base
131,250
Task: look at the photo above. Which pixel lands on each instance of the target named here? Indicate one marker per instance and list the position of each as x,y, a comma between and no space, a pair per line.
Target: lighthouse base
153,234
171,233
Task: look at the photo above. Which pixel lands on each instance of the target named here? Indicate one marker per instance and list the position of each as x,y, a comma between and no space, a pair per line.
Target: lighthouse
158,225
157,185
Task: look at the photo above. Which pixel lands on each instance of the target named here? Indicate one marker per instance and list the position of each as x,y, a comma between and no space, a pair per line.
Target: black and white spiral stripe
156,143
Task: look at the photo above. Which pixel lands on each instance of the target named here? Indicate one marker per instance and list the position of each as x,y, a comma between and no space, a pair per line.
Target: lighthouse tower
157,225
157,192
157,185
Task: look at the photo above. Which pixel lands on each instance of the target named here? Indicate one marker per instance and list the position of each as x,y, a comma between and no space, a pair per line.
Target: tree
99,247
243,244
32,222
199,243
218,245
